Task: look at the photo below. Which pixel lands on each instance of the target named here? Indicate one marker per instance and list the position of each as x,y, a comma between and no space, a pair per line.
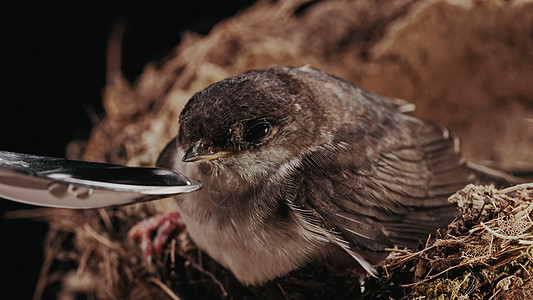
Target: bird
300,166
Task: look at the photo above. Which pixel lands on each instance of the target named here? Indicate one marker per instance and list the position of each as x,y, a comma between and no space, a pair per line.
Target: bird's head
253,123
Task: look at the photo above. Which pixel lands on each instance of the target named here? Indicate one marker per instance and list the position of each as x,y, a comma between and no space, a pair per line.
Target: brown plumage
299,165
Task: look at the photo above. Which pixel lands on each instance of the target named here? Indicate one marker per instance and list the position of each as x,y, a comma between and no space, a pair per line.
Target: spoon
57,182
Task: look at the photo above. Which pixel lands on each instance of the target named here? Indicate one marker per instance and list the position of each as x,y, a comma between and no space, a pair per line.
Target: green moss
461,287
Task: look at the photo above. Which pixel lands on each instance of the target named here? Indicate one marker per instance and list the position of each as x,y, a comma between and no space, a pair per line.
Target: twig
105,218
432,277
497,291
282,291
34,213
408,256
164,287
47,264
506,237
517,187
406,251
114,52
103,240
173,253
84,258
211,275
525,269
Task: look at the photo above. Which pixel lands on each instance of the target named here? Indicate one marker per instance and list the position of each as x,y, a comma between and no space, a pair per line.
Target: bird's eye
257,131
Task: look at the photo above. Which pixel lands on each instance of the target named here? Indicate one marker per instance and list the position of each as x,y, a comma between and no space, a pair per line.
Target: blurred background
53,74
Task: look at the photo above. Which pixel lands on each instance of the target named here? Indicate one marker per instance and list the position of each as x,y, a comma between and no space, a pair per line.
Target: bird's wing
414,178
386,188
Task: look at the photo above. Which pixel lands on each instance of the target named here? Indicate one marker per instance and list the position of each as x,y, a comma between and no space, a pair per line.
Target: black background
53,72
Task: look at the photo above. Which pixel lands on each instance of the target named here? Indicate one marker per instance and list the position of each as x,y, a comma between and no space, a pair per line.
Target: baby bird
298,165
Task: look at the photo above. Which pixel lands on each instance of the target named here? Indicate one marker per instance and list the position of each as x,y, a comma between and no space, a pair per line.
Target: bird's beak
201,151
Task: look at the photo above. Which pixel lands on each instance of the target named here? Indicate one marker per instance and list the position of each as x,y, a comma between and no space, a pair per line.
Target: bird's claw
154,232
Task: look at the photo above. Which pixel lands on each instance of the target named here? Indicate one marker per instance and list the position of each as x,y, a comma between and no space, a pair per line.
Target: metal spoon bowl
56,182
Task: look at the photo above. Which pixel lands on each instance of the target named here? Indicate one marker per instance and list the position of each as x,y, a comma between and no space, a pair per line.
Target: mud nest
464,64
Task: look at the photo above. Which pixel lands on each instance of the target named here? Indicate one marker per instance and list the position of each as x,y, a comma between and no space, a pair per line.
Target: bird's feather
341,170
386,179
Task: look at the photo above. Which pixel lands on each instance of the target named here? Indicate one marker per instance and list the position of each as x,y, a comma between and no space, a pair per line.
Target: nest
440,55
488,252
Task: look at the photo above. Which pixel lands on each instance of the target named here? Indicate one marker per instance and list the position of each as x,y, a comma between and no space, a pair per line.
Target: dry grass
491,242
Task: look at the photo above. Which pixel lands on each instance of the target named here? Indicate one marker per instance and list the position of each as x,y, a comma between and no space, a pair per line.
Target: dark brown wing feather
387,180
